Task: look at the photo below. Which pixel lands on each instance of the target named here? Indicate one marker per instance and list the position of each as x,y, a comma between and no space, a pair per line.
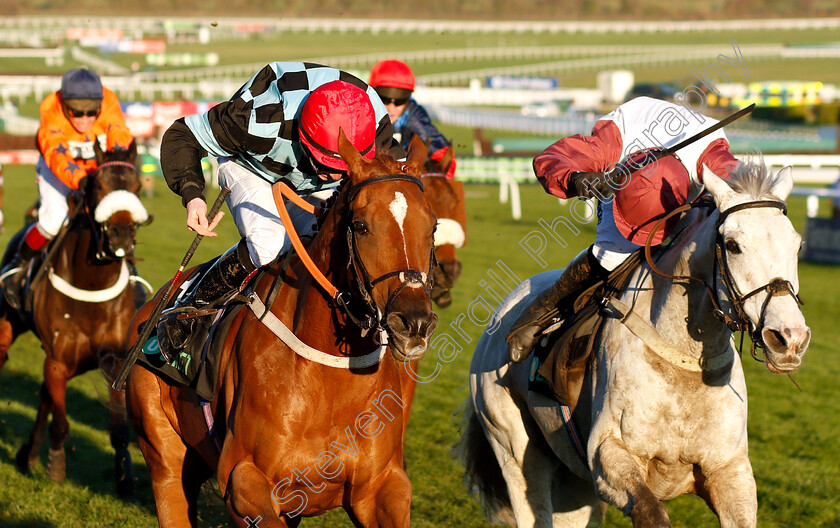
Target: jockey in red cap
575,166
394,82
283,124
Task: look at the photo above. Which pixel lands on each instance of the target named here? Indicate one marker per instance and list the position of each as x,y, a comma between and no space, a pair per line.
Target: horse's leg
118,429
7,335
527,466
385,502
55,379
730,491
619,481
248,495
408,386
574,501
27,455
174,481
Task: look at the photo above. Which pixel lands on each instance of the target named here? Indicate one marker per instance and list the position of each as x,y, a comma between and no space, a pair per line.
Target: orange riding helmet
337,105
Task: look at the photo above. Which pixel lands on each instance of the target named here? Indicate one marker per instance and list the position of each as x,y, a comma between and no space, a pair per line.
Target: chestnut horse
446,197
302,435
80,305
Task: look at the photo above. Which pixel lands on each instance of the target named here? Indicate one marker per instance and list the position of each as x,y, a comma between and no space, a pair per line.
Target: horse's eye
360,228
732,247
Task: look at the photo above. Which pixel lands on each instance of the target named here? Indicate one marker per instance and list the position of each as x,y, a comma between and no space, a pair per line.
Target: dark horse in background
446,198
79,304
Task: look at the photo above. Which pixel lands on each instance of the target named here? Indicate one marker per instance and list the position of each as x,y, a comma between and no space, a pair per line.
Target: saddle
562,356
198,364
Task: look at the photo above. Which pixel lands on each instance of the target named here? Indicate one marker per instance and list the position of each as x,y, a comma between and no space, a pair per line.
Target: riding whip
150,325
621,170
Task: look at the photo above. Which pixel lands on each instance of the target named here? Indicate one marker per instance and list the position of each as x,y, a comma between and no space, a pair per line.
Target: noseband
364,284
775,288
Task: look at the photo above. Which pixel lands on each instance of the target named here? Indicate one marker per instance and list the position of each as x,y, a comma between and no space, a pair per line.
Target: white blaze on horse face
399,209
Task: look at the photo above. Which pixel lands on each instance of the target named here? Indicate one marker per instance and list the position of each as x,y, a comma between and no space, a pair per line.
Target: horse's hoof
56,467
25,459
125,491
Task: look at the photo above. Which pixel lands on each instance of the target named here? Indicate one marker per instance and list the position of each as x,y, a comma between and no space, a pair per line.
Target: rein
364,284
775,288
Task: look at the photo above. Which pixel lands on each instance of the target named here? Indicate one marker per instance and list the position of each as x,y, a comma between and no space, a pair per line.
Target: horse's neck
682,311
315,321
73,259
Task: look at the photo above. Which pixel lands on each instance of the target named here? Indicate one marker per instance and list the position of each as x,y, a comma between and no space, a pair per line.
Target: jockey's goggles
75,112
396,102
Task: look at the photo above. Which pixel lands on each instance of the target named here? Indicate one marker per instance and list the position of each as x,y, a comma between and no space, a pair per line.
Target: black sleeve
385,141
180,159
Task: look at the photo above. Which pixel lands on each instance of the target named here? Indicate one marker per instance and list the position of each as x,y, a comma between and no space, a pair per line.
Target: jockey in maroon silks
394,81
576,166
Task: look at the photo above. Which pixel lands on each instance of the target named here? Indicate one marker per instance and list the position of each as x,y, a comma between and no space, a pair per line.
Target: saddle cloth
199,364
562,356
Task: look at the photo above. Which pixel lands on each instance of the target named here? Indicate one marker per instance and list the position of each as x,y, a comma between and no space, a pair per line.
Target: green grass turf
793,435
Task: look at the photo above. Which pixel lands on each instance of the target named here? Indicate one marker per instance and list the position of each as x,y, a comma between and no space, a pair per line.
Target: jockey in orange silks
72,119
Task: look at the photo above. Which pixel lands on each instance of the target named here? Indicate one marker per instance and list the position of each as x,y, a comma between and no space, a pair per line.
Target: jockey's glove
592,185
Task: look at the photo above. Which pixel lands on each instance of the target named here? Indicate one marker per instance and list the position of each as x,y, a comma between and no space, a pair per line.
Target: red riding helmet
337,105
651,194
392,73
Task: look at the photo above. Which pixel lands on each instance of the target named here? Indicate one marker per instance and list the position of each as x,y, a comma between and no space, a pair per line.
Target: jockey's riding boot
523,334
14,274
181,324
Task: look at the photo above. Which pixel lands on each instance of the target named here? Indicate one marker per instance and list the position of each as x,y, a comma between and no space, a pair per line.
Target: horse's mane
751,177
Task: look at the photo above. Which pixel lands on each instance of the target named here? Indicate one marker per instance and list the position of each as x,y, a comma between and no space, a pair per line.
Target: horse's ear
783,184
416,155
98,152
350,156
132,151
447,158
716,185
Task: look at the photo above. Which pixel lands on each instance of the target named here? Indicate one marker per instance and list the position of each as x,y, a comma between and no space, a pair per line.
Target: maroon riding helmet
337,105
651,194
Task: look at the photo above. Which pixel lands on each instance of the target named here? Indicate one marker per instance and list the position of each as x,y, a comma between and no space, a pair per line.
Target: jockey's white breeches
610,247
255,213
52,194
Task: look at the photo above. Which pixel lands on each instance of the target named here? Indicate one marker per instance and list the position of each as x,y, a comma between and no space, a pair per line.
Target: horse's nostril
773,339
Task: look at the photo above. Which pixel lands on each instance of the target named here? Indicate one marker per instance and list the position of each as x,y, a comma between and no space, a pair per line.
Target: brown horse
300,437
80,305
446,197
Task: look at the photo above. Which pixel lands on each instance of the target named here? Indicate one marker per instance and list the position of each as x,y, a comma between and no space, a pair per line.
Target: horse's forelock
751,177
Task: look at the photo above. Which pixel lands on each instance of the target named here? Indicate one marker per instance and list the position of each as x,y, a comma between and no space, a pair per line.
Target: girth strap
654,341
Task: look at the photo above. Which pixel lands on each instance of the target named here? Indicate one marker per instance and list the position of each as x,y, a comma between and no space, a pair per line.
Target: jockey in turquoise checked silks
282,125
577,166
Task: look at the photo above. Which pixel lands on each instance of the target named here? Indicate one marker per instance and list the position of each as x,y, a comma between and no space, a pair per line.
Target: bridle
371,316
775,288
100,230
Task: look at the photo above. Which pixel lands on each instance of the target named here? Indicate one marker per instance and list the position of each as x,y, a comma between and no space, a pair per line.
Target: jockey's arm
385,141
57,155
113,121
578,153
718,158
180,160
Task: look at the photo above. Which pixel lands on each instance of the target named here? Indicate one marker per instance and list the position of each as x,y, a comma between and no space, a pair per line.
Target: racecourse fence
225,28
